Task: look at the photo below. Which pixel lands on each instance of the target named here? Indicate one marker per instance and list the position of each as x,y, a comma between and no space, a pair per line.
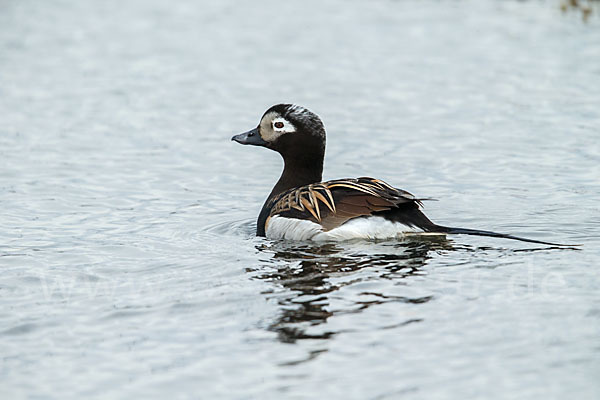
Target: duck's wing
332,203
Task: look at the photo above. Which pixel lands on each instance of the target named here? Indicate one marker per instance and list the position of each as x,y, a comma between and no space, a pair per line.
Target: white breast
358,228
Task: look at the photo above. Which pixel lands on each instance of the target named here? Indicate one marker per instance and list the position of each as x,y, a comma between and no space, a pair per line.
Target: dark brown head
292,131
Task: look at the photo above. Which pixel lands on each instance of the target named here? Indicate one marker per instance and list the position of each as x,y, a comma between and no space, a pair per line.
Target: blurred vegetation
585,7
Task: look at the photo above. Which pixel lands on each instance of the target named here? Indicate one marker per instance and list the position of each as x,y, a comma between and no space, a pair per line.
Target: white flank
292,228
358,228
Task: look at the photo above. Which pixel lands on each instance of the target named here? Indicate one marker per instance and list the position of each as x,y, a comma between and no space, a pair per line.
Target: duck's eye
278,124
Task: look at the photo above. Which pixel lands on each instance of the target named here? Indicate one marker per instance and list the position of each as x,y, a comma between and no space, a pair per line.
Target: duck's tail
412,216
477,232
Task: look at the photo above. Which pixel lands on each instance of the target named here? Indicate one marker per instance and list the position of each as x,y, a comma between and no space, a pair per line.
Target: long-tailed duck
301,207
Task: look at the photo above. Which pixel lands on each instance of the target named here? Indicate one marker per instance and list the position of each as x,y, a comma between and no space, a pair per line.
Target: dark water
129,267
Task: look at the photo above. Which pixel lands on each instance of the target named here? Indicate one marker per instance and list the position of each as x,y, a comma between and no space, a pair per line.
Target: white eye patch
273,125
282,125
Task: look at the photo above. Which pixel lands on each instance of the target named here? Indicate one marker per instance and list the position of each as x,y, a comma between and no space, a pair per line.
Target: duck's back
363,208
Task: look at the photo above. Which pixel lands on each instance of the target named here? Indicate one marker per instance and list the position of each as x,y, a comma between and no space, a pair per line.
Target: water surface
129,262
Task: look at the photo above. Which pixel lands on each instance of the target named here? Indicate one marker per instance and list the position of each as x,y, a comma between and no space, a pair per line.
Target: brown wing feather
333,203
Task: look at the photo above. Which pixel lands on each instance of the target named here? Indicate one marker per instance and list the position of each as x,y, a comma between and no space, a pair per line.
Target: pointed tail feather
477,232
410,215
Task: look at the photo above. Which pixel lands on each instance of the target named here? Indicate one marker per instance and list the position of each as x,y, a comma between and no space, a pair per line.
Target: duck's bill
251,137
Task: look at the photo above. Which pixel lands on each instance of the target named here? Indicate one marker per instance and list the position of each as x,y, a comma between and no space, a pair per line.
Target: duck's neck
297,171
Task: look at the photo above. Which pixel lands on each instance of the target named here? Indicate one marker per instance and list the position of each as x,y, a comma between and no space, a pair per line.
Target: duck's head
288,129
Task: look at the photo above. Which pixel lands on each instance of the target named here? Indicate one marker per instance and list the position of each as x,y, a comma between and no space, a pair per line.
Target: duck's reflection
307,279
